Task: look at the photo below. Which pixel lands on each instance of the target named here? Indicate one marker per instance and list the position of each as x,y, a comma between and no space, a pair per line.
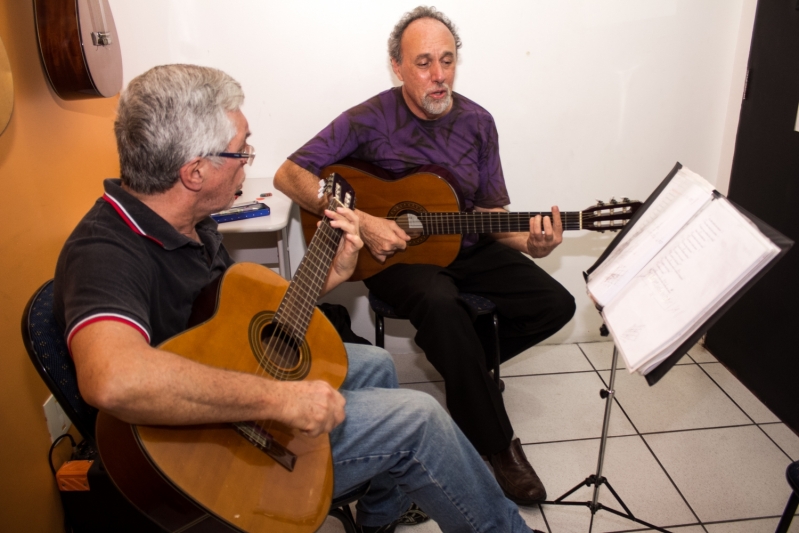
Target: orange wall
53,157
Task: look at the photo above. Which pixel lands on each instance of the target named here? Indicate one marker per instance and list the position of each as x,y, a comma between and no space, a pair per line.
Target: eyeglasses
248,153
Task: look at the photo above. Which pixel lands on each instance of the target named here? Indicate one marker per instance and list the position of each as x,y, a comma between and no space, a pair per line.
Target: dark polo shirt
124,262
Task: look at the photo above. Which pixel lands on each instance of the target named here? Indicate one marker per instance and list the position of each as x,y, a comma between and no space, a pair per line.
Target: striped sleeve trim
106,316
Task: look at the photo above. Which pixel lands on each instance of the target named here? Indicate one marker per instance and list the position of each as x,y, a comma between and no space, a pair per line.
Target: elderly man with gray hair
128,275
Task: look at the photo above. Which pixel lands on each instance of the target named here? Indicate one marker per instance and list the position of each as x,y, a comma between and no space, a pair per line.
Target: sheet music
709,259
682,198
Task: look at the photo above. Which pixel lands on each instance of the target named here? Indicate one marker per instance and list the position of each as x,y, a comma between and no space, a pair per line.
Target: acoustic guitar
79,45
427,206
258,476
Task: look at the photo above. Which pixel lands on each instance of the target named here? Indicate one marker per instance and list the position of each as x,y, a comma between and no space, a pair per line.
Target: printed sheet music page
692,253
682,198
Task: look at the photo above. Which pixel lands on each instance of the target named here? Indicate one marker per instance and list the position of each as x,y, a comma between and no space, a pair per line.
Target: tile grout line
744,412
593,369
674,484
775,442
582,439
636,530
769,517
645,434
665,432
536,374
725,392
504,376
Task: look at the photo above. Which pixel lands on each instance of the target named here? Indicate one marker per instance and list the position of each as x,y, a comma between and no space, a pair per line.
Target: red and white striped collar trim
132,224
106,316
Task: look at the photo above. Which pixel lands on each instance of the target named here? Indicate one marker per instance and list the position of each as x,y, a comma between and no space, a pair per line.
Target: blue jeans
411,450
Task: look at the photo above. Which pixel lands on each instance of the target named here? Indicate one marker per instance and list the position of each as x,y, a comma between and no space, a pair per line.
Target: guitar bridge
264,441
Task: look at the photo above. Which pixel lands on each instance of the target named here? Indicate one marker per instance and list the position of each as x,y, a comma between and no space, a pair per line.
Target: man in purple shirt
425,122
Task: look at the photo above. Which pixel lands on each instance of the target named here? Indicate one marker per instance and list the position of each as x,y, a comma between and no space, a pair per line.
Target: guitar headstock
609,216
338,190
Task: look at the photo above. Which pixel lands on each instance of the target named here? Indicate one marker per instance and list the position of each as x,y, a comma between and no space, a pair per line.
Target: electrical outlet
57,421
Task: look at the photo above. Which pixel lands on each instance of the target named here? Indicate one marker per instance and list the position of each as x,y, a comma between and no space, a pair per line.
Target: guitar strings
297,307
300,282
491,222
303,289
289,314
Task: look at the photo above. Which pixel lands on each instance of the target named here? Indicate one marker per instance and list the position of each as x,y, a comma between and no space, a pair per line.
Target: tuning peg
322,187
613,201
625,200
600,203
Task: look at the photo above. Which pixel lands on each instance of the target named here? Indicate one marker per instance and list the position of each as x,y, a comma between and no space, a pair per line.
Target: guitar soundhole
277,350
279,347
406,215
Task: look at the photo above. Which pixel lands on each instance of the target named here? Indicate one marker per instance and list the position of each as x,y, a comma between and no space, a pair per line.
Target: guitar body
379,197
194,476
75,66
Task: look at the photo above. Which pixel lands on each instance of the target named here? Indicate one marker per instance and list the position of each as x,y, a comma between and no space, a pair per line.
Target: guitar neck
297,307
481,222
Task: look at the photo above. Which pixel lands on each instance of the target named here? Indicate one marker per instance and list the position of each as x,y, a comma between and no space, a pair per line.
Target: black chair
103,507
478,304
47,349
793,501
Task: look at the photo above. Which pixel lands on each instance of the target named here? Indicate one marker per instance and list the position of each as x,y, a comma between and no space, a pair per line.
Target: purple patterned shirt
383,131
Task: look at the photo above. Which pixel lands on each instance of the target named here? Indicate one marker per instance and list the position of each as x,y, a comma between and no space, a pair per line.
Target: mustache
438,87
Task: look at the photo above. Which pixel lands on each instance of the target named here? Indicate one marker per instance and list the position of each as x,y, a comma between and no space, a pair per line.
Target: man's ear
192,174
396,68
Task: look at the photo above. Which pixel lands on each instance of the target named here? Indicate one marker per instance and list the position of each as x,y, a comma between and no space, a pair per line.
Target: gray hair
170,115
421,12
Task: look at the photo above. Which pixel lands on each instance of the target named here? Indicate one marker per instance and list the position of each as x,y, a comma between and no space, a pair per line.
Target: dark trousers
531,307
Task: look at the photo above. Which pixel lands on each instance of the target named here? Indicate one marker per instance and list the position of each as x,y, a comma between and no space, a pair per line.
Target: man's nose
437,73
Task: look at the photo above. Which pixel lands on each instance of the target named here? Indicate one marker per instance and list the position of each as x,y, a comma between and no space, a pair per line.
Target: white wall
592,98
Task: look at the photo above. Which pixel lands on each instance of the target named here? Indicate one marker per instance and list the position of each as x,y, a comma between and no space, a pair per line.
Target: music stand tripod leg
597,479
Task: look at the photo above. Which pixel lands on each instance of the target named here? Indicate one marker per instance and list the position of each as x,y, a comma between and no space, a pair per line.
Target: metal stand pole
608,394
597,479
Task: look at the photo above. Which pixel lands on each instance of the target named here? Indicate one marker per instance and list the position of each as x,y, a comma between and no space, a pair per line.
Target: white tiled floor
696,453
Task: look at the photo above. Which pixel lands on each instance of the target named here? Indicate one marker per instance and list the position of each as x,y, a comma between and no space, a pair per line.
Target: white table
276,223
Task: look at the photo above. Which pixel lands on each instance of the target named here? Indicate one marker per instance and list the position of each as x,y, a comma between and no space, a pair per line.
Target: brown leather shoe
516,477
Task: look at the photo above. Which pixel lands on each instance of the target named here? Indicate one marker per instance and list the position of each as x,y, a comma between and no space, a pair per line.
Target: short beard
437,107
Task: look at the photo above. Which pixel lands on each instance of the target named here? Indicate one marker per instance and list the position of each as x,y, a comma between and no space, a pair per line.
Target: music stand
598,479
699,327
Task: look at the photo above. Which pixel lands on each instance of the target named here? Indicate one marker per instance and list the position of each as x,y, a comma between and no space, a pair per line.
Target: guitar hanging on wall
79,46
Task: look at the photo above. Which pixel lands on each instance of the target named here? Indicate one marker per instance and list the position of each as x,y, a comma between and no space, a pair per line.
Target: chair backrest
47,348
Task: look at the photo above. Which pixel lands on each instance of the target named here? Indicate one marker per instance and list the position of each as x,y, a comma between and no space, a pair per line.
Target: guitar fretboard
480,222
297,307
